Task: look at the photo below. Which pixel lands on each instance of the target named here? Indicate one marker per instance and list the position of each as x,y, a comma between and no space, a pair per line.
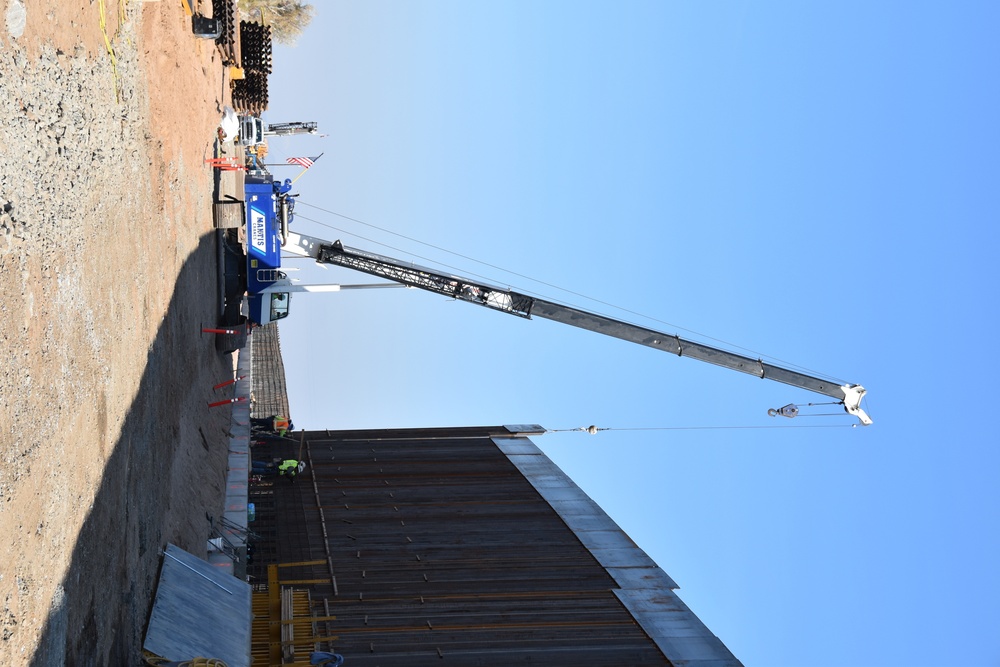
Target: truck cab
251,130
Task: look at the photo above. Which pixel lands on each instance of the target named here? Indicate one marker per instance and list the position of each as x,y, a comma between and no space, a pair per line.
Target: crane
526,306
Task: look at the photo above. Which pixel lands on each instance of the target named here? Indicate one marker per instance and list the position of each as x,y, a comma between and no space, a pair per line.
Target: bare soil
107,273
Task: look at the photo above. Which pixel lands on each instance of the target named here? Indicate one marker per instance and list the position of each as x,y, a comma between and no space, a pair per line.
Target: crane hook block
791,410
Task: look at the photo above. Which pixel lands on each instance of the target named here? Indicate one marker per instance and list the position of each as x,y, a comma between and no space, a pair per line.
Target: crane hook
790,410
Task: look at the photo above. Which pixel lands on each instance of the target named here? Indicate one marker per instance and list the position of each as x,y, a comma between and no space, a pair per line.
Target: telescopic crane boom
522,305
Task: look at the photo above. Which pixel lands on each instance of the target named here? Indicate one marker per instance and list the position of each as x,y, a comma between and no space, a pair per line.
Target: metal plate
199,612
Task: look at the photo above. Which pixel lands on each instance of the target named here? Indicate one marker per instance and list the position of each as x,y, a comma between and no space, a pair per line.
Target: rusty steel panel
441,548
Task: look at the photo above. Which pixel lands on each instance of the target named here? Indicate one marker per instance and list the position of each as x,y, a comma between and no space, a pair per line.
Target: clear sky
815,182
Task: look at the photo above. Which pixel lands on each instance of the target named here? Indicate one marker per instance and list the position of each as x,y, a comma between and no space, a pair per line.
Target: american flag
304,162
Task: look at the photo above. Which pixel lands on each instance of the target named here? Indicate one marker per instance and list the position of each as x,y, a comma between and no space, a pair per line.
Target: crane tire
227,343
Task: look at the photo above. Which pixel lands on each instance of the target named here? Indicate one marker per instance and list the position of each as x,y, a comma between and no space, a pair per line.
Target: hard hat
302,466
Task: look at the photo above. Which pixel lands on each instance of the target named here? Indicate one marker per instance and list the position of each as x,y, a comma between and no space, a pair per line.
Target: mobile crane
522,305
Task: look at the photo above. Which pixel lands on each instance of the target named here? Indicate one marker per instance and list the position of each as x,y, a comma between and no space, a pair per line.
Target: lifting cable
594,430
520,275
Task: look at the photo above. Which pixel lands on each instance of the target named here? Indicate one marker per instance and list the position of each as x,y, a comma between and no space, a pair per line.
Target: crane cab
272,304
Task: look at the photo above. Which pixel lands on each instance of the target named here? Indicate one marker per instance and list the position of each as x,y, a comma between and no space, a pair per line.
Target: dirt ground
108,273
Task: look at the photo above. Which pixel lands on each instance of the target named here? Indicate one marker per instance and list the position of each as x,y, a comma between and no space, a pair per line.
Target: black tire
227,343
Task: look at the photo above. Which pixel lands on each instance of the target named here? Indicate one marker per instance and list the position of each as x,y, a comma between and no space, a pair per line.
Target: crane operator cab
271,304
279,305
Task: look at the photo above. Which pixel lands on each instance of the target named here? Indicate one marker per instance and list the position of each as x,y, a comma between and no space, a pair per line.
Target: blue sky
811,182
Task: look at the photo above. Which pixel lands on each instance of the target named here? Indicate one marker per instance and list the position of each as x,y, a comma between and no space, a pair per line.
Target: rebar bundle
225,12
250,92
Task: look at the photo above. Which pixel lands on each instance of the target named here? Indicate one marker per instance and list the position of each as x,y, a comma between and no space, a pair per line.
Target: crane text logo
258,240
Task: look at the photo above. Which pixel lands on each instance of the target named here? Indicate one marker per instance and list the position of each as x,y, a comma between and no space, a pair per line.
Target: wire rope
526,277
593,430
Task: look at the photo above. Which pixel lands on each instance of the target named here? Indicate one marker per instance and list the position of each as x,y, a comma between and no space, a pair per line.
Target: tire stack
225,12
250,93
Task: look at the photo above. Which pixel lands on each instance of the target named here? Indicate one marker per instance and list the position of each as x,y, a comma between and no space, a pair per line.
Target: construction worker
290,468
280,425
276,423
263,468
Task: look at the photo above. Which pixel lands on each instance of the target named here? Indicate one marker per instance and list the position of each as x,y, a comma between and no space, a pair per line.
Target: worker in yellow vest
290,468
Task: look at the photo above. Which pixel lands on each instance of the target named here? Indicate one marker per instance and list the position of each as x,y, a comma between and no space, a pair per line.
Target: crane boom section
497,298
515,303
522,305
683,348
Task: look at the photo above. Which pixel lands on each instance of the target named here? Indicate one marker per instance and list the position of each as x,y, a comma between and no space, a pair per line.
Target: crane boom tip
853,393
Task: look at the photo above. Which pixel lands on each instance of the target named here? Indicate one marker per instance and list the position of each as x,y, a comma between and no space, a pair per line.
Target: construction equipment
289,129
252,266
251,131
251,260
522,305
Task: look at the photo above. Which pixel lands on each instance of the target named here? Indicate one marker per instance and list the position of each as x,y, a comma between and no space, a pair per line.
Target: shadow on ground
166,471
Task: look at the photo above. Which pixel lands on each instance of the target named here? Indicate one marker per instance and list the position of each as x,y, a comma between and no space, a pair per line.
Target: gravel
107,272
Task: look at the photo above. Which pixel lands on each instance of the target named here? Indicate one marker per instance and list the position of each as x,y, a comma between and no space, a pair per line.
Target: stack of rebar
250,92
256,46
225,12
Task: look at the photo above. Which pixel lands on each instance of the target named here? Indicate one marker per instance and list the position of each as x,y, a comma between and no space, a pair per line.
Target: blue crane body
264,203
253,268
